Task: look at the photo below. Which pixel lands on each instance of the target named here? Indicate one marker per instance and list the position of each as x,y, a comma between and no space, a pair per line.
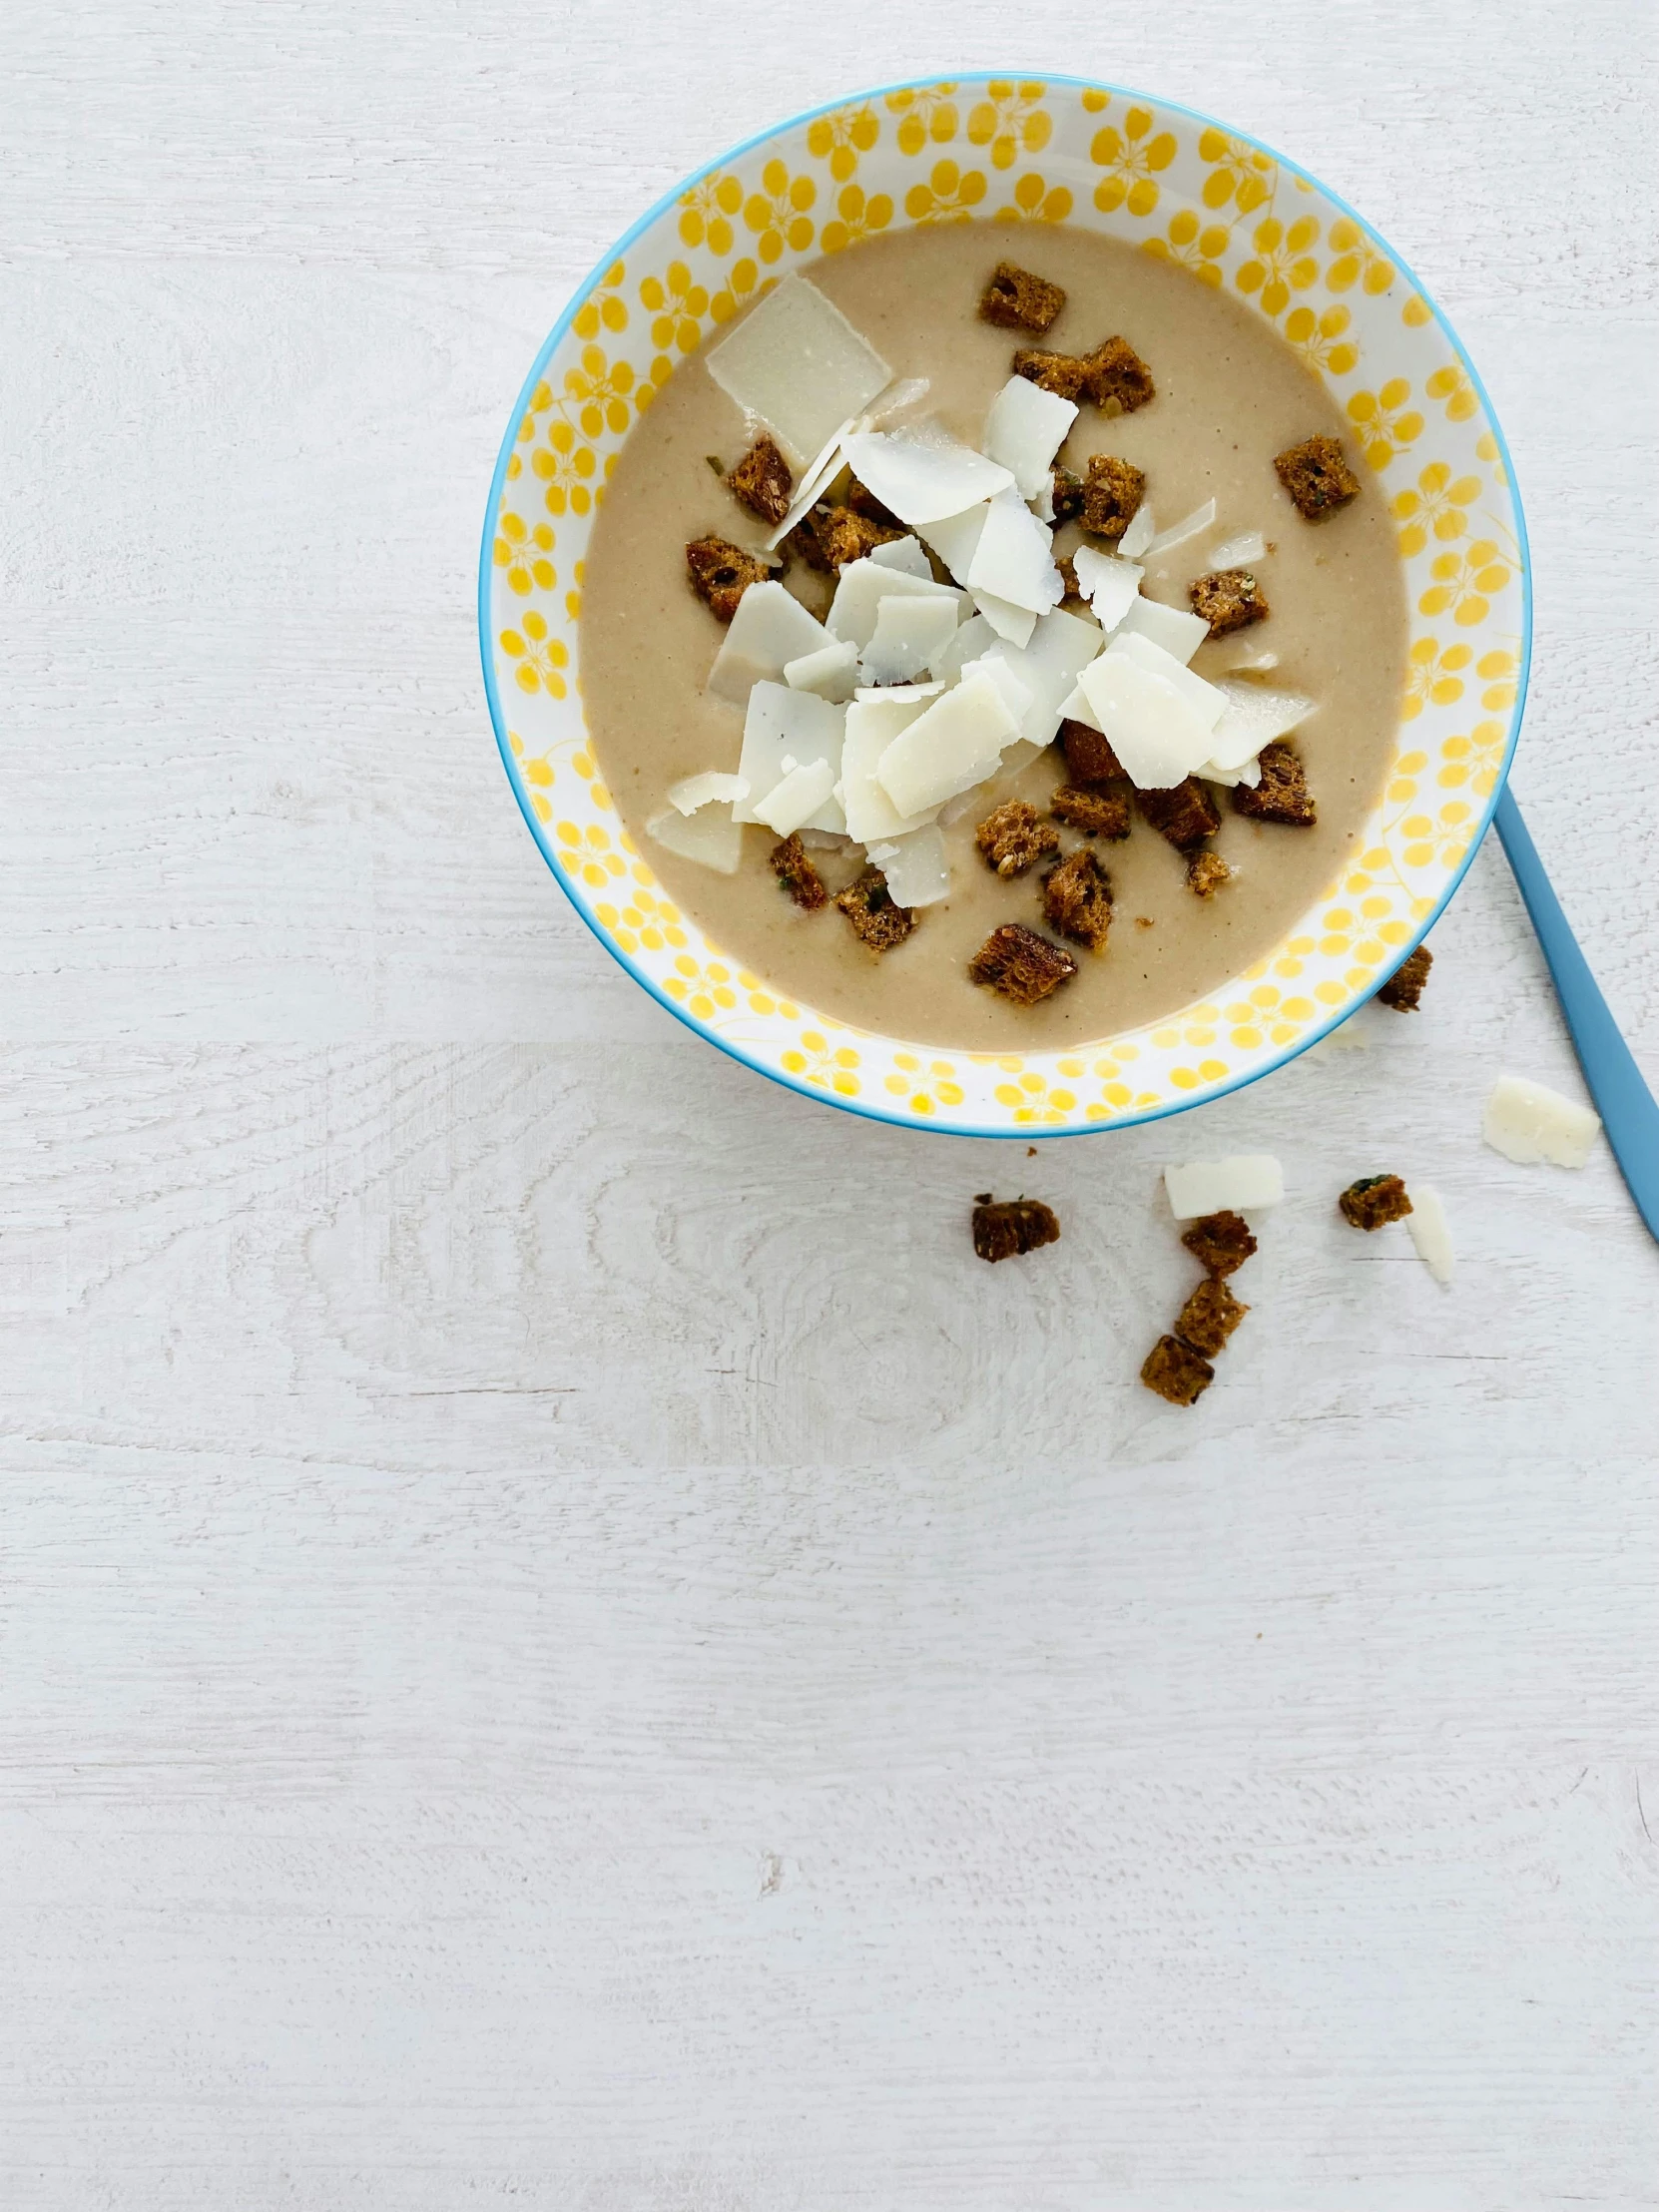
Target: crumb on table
1004,1228
1220,1243
1176,1372
1209,1317
1404,990
1375,1201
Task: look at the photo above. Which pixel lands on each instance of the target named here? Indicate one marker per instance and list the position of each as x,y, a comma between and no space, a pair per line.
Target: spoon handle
1628,1111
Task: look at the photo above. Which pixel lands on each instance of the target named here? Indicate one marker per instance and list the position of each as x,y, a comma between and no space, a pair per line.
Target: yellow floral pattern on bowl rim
998,150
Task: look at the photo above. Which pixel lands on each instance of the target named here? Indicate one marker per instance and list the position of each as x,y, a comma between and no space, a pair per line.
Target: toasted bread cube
1375,1201
1067,495
1073,595
844,535
1206,874
1185,813
1064,374
1176,1372
763,481
863,501
1112,492
1014,838
1021,966
1089,756
1317,476
1004,1228
1119,380
1092,813
1404,990
797,874
1281,794
721,573
1220,1243
1077,899
1209,1318
872,913
1229,599
1015,300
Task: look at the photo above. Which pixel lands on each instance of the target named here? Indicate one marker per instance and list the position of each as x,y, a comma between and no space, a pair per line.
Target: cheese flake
1015,559
1110,586
1155,732
1243,1183
802,792
768,629
1024,429
953,743
904,553
1252,716
832,672
693,792
797,363
710,837
1427,1228
1528,1122
1143,528
914,866
871,726
863,587
925,474
784,730
1013,623
1179,634
909,636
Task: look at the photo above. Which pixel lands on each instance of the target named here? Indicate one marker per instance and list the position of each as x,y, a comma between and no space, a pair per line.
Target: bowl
1007,151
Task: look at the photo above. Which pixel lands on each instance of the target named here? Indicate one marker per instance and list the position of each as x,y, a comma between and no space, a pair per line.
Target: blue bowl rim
890,1116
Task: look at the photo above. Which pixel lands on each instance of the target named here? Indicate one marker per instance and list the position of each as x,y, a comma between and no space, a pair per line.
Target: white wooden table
561,1642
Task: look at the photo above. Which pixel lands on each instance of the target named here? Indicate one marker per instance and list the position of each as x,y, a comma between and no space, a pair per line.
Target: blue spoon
1628,1111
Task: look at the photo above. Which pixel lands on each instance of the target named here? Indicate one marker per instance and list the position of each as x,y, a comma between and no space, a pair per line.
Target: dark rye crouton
1073,594
1317,476
863,501
1066,491
1064,374
1281,794
1021,966
797,874
721,573
1092,813
1077,899
1206,874
1089,754
844,535
1006,1227
1015,300
1119,381
763,481
1220,1243
1209,1318
1112,492
869,906
1176,1372
1185,813
1404,988
1375,1201
1229,599
1014,838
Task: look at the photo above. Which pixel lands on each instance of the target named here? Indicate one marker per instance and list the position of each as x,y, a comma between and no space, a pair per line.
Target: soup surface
1231,394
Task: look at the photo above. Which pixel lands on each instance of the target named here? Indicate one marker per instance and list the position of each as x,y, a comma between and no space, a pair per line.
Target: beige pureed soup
1230,398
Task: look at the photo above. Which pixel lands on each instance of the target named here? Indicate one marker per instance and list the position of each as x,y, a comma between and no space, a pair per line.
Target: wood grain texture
562,1643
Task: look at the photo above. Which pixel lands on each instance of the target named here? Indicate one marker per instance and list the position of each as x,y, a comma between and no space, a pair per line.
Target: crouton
1206,874
763,481
1281,794
1185,813
721,573
1375,1201
1112,492
1092,813
1089,756
1176,1372
1317,476
1220,1243
863,501
1077,899
1209,1318
797,874
1021,966
875,919
1229,599
1064,374
1118,380
1066,491
843,535
1073,593
1014,838
1404,990
1003,1228
1015,300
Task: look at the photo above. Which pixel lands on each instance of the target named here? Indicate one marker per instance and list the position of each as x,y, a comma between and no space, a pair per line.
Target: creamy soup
1230,395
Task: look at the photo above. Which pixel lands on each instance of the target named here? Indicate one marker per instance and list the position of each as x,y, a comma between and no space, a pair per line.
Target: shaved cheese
693,792
909,391
1207,701
953,743
1157,735
871,726
1024,429
904,553
1252,716
831,670
1179,634
1427,1228
1252,664
973,639
916,867
768,629
1178,532
813,481
1239,552
1246,1183
867,691
863,587
1015,559
710,837
1139,535
1043,505
1016,695
1013,623
1527,1122
1060,648
924,475
798,796
967,801
797,363
1243,771
956,538
909,636
1075,707
784,728
824,841
1110,586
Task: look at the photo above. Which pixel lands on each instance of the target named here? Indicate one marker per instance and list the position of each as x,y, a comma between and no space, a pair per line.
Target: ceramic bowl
1009,151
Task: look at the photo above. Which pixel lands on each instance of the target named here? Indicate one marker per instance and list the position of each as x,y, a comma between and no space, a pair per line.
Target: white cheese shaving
1159,735
1243,771
1430,1232
1527,1122
956,538
798,796
916,867
813,481
871,726
908,392
784,728
1110,586
693,792
1206,700
1246,1183
1254,664
1178,532
863,587
797,363
1240,551
953,743
768,629
1043,505
1252,716
973,639
1139,535
1061,647
1015,559
832,672
1025,428
1179,634
710,837
923,474
1016,695
909,636
1013,623
904,553
877,692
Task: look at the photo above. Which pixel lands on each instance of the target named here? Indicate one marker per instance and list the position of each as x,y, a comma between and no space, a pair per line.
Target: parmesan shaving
904,553
814,481
782,731
956,538
1110,586
1188,527
953,743
863,587
974,638
1139,534
832,672
693,792
1179,634
1025,428
1252,716
1013,623
1061,647
1240,551
797,363
1246,1183
908,392
1254,664
768,629
922,475
916,867
909,636
871,726
1430,1232
1207,701
1153,731
1015,559
710,837
802,792
1528,1122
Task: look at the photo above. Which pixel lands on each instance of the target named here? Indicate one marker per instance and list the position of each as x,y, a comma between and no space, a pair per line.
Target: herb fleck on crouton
1113,491
1177,1372
797,874
1220,1243
1014,838
1021,966
1185,813
1209,1318
869,906
1206,874
1004,1228
1119,381
1089,756
1404,988
721,573
1317,476
1229,599
763,481
1281,794
1015,300
1375,1201
1077,899
1090,812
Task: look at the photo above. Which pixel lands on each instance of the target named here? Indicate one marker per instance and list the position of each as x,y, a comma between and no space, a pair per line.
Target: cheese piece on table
797,363
768,629
693,792
904,553
1154,730
1427,1229
871,726
795,727
710,836
801,794
922,475
1025,428
832,672
916,867
1528,1122
1179,634
1015,559
1243,1183
909,636
952,744
1110,586
863,587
